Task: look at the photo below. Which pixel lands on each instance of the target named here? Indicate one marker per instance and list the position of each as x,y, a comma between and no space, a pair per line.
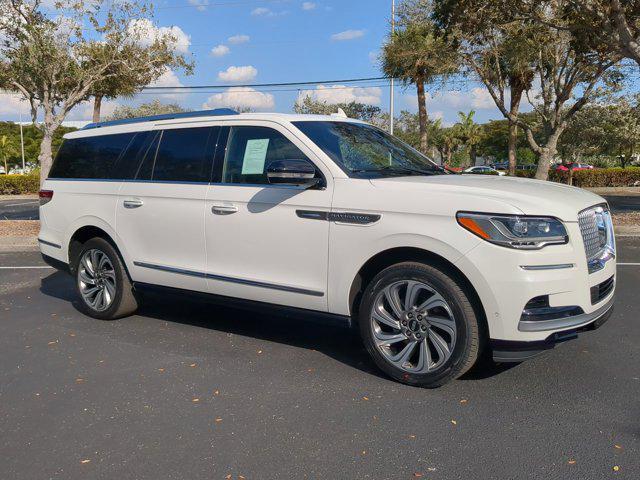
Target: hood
529,197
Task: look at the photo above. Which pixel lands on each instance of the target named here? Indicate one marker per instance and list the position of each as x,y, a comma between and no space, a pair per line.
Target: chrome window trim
223,278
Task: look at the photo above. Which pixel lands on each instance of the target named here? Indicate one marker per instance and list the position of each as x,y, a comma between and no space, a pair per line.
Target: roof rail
167,116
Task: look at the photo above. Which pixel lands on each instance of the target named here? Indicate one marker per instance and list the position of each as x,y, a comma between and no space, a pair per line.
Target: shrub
19,184
598,177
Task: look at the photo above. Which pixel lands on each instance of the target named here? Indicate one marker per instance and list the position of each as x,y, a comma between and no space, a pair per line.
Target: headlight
515,231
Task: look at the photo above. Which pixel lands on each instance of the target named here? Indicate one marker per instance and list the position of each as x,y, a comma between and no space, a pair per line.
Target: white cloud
347,35
168,79
238,39
199,4
477,98
83,112
343,94
374,56
238,74
144,32
267,12
240,97
220,51
14,104
309,6
260,11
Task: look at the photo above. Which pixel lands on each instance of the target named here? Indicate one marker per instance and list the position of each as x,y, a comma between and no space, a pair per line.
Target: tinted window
251,149
89,157
147,157
185,155
127,166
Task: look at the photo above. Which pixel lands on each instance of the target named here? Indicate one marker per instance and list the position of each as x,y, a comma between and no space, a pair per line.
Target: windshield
365,151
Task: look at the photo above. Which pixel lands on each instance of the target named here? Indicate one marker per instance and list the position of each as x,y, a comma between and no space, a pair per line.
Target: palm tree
4,146
469,132
414,54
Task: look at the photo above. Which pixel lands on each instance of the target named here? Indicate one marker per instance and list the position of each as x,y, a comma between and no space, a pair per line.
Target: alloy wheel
97,280
413,326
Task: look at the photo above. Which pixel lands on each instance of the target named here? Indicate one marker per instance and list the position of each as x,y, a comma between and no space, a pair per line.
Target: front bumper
505,351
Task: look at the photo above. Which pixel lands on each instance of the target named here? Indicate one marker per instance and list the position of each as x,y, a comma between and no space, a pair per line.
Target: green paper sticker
255,155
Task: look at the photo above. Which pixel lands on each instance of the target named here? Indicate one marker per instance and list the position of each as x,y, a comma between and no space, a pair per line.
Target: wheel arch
86,232
395,255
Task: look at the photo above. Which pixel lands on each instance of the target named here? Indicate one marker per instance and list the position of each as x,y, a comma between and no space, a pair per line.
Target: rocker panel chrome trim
223,278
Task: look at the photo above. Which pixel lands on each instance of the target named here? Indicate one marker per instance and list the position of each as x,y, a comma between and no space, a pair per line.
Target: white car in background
330,218
483,169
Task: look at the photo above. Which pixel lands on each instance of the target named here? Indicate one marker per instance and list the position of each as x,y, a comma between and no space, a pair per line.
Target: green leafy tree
7,149
569,74
606,25
155,107
609,130
57,61
415,54
362,111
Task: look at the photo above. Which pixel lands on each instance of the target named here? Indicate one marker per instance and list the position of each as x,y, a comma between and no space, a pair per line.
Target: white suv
330,217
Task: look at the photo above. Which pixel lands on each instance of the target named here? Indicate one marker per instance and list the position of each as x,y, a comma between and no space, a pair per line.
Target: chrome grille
593,241
596,228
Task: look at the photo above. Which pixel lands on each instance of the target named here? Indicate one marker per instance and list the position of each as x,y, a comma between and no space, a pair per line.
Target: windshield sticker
255,155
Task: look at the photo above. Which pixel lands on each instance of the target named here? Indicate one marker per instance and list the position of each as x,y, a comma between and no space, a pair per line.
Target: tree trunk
422,116
45,157
517,88
513,139
472,155
97,104
629,45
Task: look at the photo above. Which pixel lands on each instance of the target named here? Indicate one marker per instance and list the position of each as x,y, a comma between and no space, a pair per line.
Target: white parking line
629,264
19,204
25,267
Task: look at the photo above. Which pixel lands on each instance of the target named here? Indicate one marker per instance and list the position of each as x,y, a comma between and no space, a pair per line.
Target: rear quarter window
90,157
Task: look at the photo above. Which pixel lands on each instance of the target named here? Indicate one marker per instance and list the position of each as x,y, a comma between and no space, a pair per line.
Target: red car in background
573,166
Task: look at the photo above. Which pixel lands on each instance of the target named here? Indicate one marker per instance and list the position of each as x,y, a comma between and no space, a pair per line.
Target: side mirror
292,172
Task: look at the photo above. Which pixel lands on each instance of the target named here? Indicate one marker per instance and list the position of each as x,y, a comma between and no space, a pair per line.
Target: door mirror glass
292,172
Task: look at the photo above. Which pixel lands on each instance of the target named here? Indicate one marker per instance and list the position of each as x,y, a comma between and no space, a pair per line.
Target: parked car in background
334,219
501,166
564,167
2,172
484,170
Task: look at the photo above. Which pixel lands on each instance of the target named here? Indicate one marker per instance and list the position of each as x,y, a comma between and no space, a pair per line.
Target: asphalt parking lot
19,209
188,390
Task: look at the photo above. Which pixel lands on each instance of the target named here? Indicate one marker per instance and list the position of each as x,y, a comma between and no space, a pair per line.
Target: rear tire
419,325
102,282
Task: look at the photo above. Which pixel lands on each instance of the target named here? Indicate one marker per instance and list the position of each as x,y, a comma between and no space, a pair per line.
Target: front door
161,210
264,241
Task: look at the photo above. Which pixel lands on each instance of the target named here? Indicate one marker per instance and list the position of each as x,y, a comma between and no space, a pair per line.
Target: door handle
224,209
133,203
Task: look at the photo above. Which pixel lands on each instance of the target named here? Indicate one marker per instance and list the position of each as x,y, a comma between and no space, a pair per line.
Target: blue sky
234,42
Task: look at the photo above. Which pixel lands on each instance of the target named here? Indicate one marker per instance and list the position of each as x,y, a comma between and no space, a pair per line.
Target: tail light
45,196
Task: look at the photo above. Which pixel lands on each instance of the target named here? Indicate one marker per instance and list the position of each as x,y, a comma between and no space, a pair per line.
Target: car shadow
340,343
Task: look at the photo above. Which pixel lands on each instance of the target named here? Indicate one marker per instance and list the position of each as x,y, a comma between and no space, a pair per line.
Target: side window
251,149
129,162
185,155
90,157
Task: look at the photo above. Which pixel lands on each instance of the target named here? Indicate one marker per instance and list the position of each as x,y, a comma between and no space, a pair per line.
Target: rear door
160,212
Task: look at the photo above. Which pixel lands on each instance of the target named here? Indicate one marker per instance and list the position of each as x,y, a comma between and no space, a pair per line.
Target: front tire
102,282
419,325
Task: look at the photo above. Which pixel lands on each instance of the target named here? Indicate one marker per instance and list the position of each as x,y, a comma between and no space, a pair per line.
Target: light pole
391,92
21,143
